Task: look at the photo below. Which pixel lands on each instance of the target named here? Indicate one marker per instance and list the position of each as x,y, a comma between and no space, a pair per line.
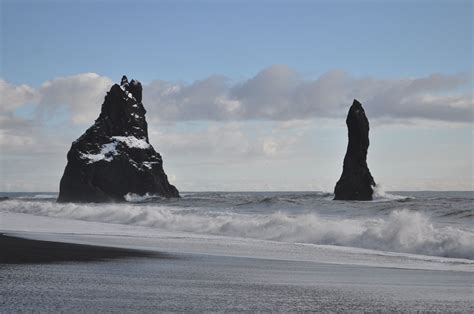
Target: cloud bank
277,93
281,94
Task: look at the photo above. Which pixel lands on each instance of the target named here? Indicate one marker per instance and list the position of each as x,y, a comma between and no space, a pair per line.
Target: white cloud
281,94
202,100
12,97
80,94
270,146
15,132
222,141
276,93
216,140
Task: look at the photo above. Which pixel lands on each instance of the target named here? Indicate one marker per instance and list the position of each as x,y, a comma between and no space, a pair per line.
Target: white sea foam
401,231
381,195
136,198
39,196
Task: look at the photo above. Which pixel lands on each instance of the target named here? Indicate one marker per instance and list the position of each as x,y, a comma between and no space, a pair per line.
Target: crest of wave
402,231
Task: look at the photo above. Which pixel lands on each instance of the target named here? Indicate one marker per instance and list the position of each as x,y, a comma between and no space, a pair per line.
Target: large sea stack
114,156
356,182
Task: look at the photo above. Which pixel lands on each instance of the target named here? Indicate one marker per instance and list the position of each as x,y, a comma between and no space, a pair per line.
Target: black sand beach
17,250
48,276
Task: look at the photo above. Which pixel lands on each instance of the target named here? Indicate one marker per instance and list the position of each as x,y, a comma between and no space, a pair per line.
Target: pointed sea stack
114,156
356,182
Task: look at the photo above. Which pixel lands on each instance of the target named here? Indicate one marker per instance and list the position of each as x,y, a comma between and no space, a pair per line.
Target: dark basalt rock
356,182
114,156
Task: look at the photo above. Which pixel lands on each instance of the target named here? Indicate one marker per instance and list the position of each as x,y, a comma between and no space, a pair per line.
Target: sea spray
381,195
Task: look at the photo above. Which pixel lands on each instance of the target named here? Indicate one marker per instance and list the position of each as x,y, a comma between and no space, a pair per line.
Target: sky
244,95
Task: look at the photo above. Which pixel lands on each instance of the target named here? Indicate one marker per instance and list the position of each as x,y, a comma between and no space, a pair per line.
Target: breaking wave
401,231
39,197
381,195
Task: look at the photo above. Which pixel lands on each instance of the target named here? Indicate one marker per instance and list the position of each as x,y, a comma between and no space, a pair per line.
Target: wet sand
15,250
47,276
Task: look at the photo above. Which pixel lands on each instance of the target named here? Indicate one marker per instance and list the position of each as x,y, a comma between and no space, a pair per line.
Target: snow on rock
110,149
123,87
106,153
132,141
149,164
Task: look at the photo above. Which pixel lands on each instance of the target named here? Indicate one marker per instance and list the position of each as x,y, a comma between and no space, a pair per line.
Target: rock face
114,156
356,182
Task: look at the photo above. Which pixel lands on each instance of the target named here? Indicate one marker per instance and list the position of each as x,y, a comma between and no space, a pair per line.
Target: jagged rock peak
135,87
356,182
114,156
124,80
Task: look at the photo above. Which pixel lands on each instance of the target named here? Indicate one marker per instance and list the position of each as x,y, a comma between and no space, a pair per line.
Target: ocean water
427,223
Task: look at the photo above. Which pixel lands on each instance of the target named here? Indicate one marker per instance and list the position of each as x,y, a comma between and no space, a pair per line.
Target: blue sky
189,40
307,59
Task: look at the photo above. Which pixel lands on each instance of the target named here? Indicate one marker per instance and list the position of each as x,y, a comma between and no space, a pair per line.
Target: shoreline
18,250
142,238
66,277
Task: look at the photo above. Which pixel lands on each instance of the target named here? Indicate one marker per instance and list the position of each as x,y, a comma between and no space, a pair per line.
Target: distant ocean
429,223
